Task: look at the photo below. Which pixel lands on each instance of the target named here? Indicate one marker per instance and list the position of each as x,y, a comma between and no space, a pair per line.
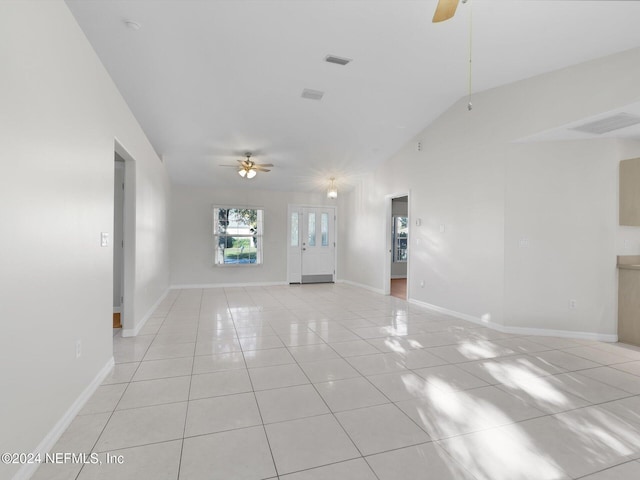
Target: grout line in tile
186,414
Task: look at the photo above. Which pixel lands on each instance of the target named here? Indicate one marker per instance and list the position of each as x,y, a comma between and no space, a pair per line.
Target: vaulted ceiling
210,80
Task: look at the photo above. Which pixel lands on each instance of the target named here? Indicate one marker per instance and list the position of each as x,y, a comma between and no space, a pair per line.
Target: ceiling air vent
609,124
312,94
336,60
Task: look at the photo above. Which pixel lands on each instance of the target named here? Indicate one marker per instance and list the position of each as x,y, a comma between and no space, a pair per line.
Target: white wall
60,115
489,192
192,234
561,223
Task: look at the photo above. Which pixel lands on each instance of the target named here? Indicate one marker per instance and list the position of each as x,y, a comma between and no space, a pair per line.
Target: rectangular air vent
312,94
608,124
336,60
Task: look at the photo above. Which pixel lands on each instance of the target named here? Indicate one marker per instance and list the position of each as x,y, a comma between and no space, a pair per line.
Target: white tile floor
334,382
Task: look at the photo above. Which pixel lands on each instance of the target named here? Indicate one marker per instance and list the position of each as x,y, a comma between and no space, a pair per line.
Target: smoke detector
132,25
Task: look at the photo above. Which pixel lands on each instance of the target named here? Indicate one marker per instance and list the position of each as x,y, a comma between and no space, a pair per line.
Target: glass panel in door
312,230
294,229
324,228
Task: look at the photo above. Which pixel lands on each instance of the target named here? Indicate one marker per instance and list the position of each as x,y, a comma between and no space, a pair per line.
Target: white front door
311,244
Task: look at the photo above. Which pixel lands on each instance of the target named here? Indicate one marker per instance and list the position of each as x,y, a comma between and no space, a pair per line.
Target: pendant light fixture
332,192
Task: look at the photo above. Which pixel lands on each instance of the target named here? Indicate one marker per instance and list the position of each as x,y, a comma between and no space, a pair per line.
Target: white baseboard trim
542,332
548,332
28,469
453,313
227,285
132,332
362,285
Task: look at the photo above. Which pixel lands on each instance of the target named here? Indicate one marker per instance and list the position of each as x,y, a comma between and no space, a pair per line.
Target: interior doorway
311,250
124,238
118,239
398,246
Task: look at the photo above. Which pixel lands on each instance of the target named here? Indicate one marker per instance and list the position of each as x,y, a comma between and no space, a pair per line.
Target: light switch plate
104,239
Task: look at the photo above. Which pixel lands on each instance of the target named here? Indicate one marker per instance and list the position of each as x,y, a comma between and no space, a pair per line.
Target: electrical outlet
573,304
78,348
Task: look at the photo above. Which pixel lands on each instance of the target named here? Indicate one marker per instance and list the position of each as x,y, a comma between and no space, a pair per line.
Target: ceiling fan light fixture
251,173
332,191
242,172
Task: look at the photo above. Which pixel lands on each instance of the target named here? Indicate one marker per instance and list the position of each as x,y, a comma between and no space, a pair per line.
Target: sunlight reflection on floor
475,350
526,377
489,453
465,425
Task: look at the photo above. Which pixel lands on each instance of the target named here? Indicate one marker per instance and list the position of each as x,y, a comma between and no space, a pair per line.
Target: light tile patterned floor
335,382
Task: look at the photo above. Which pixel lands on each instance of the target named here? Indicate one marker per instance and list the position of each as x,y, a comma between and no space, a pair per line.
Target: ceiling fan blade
232,166
264,164
259,168
445,10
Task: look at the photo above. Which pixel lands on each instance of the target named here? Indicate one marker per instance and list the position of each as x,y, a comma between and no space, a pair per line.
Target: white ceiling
209,80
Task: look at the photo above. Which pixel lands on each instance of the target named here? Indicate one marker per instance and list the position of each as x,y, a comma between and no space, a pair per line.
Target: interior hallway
333,381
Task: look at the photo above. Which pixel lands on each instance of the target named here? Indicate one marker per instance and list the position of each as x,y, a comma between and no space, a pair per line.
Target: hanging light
247,172
332,192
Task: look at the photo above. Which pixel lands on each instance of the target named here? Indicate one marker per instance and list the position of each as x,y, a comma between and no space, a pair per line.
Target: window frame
218,237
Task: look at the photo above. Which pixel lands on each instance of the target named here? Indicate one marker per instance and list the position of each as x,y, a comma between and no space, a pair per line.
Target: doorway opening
311,244
118,240
398,246
124,222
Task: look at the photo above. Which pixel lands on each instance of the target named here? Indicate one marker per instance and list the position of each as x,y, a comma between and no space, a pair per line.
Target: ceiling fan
445,10
247,168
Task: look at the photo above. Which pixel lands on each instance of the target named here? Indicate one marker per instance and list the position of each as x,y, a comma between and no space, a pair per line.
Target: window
400,235
237,234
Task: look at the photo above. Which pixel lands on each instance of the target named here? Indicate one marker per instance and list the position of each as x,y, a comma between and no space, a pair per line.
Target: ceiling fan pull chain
470,105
